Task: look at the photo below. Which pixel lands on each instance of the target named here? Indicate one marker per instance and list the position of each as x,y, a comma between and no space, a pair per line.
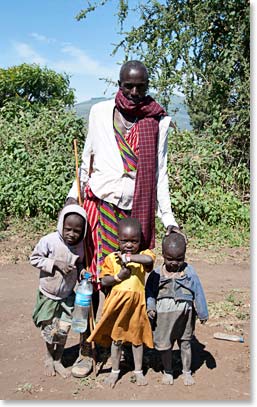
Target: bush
37,163
206,192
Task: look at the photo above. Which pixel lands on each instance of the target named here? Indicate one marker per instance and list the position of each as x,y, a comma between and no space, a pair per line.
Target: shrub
37,163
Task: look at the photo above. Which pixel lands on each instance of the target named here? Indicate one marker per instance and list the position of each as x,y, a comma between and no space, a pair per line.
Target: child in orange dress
124,317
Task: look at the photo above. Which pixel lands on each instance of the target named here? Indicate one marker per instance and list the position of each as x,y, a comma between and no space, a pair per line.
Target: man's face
134,84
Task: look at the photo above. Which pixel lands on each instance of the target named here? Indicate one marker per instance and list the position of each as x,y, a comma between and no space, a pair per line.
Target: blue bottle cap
87,276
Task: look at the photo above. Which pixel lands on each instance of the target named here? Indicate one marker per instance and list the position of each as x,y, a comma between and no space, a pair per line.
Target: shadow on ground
151,359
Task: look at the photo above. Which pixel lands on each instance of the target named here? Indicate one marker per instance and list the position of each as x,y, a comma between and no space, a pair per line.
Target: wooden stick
91,312
77,170
91,326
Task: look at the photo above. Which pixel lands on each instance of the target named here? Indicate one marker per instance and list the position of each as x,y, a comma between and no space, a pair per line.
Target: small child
59,257
124,317
172,291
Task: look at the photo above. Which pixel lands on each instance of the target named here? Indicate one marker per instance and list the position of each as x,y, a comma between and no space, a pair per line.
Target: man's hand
172,228
151,313
64,267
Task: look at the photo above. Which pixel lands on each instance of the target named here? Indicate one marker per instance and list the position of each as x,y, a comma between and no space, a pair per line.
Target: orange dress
124,317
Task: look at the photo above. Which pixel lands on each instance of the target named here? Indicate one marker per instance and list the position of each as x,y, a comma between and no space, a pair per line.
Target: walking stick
75,141
91,312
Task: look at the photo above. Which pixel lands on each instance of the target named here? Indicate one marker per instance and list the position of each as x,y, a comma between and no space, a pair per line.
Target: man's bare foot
59,368
140,378
49,368
112,379
167,378
188,379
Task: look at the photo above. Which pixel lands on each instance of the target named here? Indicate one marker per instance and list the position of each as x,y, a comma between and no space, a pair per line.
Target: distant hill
177,110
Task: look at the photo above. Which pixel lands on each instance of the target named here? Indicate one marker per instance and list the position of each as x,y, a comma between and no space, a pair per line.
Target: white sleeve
164,210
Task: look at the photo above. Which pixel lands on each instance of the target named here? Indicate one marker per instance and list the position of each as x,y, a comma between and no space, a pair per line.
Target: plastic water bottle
82,305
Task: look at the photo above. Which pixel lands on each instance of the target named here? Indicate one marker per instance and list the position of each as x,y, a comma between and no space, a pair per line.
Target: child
59,257
124,317
172,290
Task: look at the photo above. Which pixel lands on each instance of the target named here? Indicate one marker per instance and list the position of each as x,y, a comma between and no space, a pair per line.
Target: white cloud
42,38
78,62
84,71
28,54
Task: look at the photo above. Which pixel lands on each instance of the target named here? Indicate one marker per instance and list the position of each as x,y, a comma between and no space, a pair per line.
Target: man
124,166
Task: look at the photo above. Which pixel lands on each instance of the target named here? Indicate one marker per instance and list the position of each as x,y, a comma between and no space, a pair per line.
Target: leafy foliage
30,84
205,191
37,163
202,49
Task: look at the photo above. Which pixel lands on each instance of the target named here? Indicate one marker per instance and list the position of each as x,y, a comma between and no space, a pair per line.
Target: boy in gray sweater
59,256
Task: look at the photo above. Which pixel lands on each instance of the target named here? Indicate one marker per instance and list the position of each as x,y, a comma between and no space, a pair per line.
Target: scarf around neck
149,113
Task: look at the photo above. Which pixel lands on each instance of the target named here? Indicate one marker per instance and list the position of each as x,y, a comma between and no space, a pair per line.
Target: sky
47,33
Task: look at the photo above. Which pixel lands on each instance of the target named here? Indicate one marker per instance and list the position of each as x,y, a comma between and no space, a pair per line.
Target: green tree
31,84
37,163
200,47
37,130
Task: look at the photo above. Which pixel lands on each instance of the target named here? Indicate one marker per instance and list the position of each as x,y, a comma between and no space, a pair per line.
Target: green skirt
46,308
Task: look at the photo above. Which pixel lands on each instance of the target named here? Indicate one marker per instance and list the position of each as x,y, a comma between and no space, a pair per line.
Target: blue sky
46,32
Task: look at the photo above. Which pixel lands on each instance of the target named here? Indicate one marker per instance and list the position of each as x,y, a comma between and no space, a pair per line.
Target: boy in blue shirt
174,296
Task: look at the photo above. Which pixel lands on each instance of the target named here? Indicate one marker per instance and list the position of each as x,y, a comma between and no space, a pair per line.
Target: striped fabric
91,207
127,147
109,216
103,217
149,112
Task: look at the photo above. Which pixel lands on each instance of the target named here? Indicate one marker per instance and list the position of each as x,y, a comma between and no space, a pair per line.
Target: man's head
129,235
173,251
134,80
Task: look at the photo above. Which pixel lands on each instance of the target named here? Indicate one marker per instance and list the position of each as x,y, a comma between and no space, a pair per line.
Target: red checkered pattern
149,113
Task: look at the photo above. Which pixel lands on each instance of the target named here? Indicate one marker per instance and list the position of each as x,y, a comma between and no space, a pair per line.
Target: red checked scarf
148,113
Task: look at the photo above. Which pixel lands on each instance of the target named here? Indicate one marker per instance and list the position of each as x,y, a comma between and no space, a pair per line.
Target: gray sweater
50,248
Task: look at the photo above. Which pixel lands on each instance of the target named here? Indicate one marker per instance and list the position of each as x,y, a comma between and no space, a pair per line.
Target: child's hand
124,273
118,256
82,275
151,313
64,267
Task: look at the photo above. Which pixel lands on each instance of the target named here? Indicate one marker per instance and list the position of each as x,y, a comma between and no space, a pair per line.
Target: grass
29,388
19,237
235,306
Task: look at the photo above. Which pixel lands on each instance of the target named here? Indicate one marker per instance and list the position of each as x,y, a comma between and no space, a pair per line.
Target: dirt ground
221,369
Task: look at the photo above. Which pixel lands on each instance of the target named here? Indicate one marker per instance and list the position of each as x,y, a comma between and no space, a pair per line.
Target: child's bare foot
59,368
187,378
140,378
112,378
49,368
167,378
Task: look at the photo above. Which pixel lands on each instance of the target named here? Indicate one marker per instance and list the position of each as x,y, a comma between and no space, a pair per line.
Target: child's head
173,251
73,229
72,224
129,235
